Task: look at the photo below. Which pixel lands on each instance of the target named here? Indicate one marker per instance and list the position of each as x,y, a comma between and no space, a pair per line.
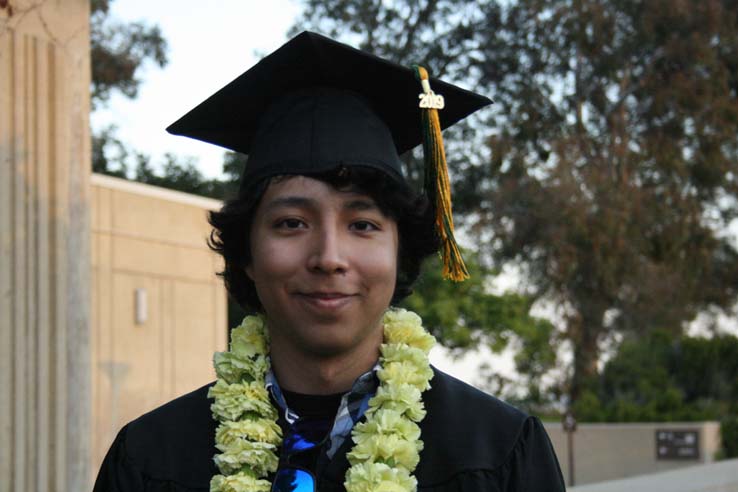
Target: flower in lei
386,445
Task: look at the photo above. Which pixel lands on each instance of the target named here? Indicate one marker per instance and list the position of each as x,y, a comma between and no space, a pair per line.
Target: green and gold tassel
436,178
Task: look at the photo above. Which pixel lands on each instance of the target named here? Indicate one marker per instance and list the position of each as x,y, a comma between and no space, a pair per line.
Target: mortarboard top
230,118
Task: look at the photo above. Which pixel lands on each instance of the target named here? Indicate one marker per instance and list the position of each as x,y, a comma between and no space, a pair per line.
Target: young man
329,388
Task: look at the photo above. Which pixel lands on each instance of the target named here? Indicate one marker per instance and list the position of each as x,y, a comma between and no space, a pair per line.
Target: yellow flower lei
386,445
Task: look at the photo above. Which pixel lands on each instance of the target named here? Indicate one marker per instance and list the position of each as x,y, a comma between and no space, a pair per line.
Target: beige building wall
149,240
613,451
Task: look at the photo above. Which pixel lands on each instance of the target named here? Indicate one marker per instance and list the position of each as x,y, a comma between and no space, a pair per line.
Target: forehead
310,188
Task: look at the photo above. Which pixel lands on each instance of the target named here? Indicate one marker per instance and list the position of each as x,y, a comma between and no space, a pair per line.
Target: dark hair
418,239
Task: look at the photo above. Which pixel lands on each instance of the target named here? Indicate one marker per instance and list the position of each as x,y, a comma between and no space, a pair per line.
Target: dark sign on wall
674,444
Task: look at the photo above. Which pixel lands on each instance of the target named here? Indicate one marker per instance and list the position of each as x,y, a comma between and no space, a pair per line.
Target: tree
613,146
183,175
118,52
109,154
613,172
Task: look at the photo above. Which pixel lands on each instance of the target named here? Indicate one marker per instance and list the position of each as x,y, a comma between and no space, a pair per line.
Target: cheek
379,264
269,258
270,261
385,264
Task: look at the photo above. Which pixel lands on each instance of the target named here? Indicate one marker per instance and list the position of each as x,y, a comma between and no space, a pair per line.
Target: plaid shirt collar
353,405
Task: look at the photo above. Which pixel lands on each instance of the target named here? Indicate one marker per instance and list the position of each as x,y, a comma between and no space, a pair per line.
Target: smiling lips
326,300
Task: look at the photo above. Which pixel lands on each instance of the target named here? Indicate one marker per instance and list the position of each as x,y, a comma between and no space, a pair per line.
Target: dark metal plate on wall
672,444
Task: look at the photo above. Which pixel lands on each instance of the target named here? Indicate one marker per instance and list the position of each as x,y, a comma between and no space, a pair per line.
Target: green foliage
233,165
109,154
183,175
729,436
662,378
708,368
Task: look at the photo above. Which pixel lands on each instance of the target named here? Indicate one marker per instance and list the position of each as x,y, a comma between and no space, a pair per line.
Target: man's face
324,263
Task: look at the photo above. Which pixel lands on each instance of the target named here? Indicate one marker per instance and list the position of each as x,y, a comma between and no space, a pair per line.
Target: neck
317,374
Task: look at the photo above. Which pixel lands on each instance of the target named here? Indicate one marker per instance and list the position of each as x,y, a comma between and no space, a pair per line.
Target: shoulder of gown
474,441
168,448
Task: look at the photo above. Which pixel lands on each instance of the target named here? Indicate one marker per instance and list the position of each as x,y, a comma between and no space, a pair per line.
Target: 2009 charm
431,100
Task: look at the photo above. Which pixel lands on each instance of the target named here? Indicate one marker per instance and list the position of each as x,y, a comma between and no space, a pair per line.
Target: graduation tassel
436,178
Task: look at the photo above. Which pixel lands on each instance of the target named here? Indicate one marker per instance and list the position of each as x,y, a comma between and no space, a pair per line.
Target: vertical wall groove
19,280
7,342
42,320
58,266
31,117
56,417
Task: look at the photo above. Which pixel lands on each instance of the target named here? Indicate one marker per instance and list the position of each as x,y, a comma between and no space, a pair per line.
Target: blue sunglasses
292,479
299,445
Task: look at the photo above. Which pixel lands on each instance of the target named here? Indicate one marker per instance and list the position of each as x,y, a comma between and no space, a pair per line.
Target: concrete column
44,245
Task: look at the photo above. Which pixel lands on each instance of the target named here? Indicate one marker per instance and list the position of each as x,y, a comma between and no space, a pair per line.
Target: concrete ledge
155,191
714,477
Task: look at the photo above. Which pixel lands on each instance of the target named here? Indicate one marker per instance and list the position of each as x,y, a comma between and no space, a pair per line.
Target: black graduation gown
473,442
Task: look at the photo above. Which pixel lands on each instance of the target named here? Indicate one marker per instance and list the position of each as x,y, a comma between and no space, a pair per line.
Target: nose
328,252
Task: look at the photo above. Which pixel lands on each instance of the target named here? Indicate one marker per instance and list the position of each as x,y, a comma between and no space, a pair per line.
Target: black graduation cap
316,104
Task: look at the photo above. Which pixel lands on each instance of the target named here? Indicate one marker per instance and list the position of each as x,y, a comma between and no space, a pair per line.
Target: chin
331,342
329,348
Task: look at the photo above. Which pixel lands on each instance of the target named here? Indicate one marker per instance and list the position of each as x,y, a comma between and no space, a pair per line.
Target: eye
364,226
289,223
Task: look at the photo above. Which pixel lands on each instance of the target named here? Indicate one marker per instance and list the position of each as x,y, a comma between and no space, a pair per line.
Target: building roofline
137,188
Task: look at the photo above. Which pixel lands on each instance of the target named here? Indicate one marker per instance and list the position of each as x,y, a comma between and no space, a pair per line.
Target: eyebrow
361,205
290,201
297,201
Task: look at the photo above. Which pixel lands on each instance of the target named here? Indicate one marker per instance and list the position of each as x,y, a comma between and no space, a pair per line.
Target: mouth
326,300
